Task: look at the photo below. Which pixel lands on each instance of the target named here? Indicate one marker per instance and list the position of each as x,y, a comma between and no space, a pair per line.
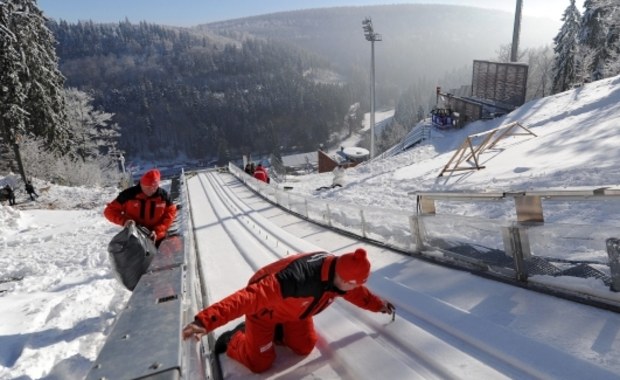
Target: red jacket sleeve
166,221
248,300
364,298
114,213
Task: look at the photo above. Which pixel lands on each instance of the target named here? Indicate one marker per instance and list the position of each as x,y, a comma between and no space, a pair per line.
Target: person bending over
279,303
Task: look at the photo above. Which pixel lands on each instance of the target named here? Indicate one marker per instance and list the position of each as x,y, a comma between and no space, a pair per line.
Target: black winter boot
278,334
221,344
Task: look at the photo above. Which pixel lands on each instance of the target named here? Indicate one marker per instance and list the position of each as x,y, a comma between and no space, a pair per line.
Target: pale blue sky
193,12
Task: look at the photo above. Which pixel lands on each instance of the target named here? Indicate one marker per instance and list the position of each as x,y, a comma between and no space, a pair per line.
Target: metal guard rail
523,252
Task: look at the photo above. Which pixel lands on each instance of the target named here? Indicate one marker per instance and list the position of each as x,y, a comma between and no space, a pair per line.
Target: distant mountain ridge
419,40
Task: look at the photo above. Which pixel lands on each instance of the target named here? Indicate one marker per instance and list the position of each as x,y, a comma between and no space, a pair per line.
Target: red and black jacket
156,212
290,289
261,174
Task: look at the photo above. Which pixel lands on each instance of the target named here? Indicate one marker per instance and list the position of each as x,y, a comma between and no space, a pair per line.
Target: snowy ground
59,299
57,295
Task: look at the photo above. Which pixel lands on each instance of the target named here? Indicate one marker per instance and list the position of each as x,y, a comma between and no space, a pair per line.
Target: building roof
300,160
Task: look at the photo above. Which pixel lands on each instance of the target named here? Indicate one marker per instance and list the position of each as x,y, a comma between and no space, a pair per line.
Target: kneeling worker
279,303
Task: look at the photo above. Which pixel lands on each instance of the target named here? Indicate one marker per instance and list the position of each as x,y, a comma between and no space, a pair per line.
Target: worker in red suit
260,173
279,303
145,204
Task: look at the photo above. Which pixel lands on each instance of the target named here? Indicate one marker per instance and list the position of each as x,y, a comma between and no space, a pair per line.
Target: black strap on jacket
325,286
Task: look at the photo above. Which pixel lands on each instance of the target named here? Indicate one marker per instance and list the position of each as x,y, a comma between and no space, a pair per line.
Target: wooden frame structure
469,151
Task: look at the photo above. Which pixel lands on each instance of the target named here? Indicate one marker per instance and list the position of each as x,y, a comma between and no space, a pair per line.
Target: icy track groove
431,338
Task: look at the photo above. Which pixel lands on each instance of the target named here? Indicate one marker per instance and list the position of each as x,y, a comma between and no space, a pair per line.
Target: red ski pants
255,349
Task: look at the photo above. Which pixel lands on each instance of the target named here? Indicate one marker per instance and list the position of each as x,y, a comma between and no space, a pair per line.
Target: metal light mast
514,51
371,36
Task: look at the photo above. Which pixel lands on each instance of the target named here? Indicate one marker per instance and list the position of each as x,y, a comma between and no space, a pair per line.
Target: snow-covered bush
64,170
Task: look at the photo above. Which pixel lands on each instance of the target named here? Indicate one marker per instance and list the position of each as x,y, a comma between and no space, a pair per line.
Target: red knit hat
151,178
354,266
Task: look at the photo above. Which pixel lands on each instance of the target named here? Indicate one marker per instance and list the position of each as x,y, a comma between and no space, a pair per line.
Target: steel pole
372,99
514,50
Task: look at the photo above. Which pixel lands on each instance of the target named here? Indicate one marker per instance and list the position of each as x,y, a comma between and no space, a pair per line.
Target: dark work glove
388,308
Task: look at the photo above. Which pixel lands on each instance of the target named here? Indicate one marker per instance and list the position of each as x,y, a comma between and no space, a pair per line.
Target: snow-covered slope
576,142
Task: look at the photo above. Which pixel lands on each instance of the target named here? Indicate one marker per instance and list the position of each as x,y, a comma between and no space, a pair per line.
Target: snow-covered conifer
91,132
566,50
612,64
31,100
43,80
593,35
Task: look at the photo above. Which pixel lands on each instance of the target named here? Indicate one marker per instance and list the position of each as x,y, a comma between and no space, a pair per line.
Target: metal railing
527,251
418,133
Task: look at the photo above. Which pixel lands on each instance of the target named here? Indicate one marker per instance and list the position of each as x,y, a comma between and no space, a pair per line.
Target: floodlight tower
514,51
371,36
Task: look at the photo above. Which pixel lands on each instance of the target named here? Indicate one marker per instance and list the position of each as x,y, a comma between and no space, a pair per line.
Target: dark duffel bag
131,252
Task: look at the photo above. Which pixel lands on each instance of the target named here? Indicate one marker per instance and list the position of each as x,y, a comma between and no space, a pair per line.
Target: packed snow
59,299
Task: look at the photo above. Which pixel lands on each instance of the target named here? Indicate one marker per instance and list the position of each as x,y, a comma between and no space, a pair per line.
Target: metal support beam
517,245
529,209
426,205
363,223
613,251
417,232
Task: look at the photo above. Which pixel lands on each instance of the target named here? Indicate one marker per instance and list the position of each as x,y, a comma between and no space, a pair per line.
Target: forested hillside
177,92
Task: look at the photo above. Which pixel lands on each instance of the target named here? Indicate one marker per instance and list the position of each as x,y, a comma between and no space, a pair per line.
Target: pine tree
31,100
405,113
612,64
566,49
46,104
12,93
593,33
